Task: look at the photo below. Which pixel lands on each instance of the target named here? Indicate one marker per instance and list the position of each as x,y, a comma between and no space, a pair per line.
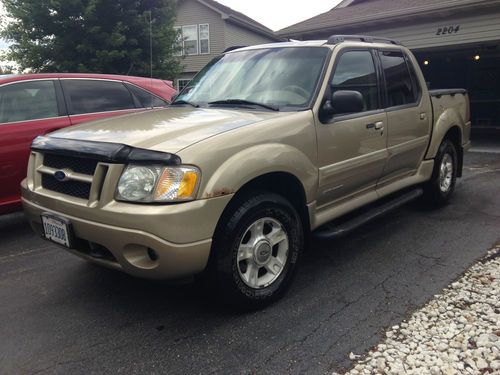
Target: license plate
56,229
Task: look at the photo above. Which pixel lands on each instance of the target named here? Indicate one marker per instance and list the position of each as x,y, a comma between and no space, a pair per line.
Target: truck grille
80,173
79,165
74,188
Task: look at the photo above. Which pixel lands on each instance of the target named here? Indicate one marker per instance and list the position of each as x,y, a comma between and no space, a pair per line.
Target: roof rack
336,39
232,48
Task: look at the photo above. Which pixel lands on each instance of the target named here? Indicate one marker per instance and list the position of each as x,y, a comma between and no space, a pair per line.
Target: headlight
140,183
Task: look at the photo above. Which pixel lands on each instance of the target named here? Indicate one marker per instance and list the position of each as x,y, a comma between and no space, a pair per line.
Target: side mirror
344,101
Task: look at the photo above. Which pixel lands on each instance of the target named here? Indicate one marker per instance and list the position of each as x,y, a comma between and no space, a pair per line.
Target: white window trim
181,42
182,79
197,41
199,38
182,52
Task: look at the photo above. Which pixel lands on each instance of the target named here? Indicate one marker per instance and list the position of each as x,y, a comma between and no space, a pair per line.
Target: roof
359,12
161,87
316,43
307,43
78,75
240,18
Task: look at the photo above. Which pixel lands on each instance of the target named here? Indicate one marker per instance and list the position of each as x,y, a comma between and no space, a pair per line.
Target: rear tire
440,187
255,251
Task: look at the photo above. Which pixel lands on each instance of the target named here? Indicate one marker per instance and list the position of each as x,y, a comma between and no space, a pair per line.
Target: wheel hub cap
262,253
446,173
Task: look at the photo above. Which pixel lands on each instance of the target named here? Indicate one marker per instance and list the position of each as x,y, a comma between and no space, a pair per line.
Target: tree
99,36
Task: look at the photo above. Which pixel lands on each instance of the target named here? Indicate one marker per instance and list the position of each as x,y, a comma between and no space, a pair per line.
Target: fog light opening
153,255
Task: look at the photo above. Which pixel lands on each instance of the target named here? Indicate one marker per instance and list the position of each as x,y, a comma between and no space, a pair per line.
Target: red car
35,104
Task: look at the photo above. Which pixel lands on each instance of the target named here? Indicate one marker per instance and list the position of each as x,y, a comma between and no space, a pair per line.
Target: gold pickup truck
266,145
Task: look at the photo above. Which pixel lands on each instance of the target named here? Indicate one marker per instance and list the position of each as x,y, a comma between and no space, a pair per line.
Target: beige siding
239,36
473,29
191,12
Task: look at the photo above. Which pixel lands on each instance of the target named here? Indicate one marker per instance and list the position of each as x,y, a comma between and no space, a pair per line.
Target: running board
332,230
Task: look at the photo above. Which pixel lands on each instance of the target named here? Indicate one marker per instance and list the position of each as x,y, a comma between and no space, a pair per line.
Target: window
400,90
204,39
181,83
28,101
190,39
91,96
145,98
193,39
356,71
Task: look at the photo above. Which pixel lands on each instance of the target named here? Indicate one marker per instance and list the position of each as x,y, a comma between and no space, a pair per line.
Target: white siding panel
191,12
472,30
238,36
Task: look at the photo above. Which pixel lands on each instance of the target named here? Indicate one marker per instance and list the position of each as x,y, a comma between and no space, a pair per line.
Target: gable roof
358,12
241,19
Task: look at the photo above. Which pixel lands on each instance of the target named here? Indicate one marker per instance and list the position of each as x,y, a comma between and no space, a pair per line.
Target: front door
352,146
27,109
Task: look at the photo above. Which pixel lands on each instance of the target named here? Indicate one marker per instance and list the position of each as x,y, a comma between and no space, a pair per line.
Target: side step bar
331,230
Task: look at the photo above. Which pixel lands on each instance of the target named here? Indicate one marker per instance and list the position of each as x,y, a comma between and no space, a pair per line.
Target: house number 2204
448,30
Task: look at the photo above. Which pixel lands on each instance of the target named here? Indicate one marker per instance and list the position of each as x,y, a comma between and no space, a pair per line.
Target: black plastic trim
333,230
451,92
61,101
336,39
102,151
232,48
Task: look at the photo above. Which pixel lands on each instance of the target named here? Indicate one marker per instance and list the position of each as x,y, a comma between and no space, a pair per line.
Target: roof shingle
364,10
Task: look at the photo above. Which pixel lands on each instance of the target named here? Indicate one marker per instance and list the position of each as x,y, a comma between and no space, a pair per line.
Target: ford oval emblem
60,176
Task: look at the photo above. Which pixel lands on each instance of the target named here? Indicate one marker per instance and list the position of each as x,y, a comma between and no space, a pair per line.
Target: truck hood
167,130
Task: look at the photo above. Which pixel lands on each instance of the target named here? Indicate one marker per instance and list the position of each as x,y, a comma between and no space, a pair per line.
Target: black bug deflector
102,151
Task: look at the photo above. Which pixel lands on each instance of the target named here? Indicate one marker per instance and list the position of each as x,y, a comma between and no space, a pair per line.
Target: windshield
281,78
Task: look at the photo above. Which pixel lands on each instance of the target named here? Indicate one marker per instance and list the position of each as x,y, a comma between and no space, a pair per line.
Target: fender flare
257,161
448,119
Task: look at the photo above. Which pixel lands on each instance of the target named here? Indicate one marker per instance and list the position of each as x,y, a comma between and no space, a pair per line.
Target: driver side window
356,71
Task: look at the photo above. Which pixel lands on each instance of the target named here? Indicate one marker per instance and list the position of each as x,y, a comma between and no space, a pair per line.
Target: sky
278,14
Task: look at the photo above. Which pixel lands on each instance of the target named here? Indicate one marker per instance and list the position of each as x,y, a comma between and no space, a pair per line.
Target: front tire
256,250
439,189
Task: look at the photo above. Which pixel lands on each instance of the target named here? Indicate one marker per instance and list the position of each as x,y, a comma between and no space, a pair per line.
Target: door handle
423,116
379,125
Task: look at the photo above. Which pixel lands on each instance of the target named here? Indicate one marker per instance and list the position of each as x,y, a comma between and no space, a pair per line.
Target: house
207,28
457,42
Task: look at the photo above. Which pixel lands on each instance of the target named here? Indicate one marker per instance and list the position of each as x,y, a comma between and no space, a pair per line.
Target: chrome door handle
379,125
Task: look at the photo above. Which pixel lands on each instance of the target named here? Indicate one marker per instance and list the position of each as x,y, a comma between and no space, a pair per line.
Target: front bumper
110,243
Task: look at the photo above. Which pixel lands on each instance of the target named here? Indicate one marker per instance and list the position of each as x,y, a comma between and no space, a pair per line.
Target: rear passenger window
87,96
146,98
28,101
356,71
400,90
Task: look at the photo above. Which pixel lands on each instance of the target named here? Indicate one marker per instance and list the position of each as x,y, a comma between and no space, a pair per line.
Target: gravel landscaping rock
457,332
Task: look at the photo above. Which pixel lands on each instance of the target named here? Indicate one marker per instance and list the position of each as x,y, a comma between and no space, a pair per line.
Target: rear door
409,115
352,147
93,99
27,109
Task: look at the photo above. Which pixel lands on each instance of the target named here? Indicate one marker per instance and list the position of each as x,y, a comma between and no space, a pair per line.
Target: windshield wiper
185,102
243,101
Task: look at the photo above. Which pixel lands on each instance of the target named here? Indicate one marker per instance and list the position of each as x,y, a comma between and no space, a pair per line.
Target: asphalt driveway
59,314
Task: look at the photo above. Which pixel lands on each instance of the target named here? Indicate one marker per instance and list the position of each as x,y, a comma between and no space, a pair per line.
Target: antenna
151,51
